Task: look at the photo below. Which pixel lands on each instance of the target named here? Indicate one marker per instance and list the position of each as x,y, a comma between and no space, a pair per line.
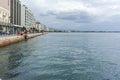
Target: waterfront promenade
8,40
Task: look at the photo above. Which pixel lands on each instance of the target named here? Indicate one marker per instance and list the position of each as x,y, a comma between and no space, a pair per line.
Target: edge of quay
8,40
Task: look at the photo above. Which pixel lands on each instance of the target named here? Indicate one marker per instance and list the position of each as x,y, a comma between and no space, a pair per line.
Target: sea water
63,56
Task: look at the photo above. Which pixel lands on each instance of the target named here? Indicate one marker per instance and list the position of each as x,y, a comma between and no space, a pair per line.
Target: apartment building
15,12
38,26
5,25
27,17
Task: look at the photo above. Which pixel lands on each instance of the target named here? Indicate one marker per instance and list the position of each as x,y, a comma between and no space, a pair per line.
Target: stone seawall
5,41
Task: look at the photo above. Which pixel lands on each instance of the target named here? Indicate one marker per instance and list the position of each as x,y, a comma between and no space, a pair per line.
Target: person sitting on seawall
25,31
25,34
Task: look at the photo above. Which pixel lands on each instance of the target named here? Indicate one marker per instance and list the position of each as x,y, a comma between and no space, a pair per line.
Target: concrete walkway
7,40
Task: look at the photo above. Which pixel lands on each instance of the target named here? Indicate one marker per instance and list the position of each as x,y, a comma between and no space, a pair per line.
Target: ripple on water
71,56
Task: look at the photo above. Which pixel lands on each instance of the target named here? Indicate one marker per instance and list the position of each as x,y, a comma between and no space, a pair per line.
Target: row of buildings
15,17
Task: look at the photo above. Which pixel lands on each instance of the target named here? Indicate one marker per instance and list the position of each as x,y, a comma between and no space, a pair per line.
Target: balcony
5,24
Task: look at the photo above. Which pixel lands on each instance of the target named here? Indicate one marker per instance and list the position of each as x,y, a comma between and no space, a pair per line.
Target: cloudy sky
77,14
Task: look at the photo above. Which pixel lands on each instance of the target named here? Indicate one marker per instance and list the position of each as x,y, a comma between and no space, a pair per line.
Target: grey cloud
67,16
48,13
77,17
82,20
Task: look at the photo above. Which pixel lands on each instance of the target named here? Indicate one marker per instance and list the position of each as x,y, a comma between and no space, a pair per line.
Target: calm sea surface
63,56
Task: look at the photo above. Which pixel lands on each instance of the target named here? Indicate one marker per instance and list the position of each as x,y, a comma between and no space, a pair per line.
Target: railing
13,31
5,33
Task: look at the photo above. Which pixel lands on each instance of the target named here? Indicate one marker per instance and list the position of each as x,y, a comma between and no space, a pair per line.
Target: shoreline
9,40
89,32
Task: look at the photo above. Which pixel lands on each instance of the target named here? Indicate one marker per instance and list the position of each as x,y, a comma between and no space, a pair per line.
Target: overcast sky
77,14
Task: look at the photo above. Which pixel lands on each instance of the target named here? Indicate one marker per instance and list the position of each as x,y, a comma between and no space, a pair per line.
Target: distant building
27,17
38,26
47,29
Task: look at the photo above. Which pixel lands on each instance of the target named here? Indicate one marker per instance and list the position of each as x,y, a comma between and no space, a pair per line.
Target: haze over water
63,56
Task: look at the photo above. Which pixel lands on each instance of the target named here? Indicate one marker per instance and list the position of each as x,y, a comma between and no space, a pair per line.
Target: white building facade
27,18
4,15
38,26
5,25
22,15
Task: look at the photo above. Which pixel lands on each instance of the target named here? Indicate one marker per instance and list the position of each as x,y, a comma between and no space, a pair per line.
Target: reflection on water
10,58
62,56
3,60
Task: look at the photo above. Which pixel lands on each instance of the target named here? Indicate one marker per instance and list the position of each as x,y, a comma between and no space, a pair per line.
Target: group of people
22,32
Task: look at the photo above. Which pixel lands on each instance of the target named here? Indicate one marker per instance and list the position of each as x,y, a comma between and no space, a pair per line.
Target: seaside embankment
8,40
